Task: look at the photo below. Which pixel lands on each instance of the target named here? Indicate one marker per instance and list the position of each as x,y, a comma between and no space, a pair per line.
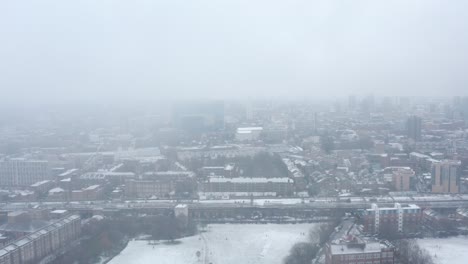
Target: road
206,250
433,201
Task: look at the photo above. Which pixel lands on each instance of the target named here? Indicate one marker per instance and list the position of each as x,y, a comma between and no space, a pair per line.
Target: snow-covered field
223,244
453,250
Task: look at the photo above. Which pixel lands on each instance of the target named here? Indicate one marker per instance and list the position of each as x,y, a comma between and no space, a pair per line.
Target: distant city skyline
88,51
234,131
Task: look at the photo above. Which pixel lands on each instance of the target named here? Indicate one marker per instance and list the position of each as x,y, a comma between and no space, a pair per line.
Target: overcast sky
112,50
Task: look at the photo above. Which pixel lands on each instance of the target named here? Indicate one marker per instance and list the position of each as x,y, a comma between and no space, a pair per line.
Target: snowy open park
451,250
226,244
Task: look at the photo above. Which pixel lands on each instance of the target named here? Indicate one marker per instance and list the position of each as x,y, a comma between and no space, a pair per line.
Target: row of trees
109,236
159,227
305,252
170,228
260,165
302,253
100,238
327,143
409,252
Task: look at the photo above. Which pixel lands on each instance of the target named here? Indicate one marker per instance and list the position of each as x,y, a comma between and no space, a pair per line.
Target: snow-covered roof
58,211
3,252
250,180
344,249
249,129
40,183
92,187
68,172
56,190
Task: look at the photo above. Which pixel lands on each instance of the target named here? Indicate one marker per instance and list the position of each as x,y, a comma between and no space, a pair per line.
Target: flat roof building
397,219
23,172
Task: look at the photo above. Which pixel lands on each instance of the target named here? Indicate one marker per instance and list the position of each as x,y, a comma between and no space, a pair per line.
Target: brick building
359,252
36,246
398,219
402,179
278,186
446,176
160,184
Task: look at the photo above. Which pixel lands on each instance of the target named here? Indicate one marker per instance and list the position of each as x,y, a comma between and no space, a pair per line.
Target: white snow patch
226,244
451,250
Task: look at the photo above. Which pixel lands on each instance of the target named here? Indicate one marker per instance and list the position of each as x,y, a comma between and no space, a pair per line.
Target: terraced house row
43,243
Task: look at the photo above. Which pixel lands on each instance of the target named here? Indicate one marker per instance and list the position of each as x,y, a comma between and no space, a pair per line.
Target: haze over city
109,51
227,132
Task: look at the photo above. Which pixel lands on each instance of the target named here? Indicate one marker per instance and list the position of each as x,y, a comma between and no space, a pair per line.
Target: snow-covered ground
451,250
223,244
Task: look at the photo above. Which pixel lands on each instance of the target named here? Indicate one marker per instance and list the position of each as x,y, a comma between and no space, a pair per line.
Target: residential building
230,170
248,133
34,247
148,188
106,177
422,161
436,221
229,151
22,172
247,186
57,194
402,179
359,251
446,176
160,184
414,127
21,223
348,246
462,215
93,192
181,210
42,186
397,219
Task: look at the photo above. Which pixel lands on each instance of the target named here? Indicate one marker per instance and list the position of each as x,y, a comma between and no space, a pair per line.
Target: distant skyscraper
352,102
413,126
457,101
464,107
387,103
199,117
367,104
446,176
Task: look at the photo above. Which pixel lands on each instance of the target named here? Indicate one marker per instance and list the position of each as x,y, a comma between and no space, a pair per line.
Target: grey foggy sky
114,50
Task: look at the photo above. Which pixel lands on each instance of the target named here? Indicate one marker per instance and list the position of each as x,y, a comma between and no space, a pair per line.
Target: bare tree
409,252
322,233
302,253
